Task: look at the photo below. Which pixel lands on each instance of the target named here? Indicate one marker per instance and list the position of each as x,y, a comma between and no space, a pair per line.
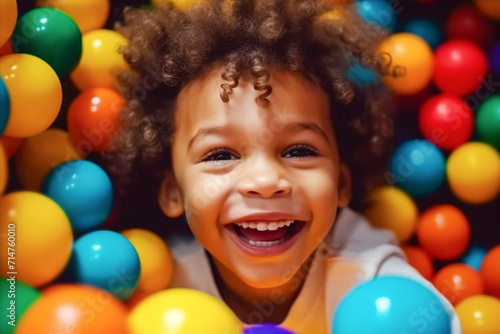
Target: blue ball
83,190
418,167
362,76
266,329
380,12
107,260
4,106
474,256
427,29
391,304
494,60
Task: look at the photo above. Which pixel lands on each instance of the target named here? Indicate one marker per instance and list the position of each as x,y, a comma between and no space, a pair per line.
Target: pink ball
446,121
460,67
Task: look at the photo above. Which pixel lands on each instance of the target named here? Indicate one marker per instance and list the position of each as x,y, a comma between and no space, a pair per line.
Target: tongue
256,235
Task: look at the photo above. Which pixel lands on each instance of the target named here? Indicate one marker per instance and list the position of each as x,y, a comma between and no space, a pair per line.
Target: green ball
488,121
23,296
49,34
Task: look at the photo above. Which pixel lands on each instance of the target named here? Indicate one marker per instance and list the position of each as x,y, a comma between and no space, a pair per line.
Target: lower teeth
263,243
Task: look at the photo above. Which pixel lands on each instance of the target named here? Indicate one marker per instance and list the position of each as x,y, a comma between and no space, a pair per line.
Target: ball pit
45,122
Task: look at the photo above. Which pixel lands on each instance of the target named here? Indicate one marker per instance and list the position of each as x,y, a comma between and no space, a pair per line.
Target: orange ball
4,169
93,118
419,259
458,281
74,308
410,65
443,231
490,271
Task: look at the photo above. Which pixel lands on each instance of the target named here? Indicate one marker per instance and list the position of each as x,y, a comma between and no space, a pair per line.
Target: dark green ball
488,121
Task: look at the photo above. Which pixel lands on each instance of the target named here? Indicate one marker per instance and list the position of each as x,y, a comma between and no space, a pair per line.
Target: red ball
460,67
467,22
446,121
490,271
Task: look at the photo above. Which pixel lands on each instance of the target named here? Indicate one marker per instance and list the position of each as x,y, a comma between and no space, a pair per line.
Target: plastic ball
391,304
35,94
4,169
107,260
43,237
83,190
101,60
489,8
379,12
459,67
473,172
426,29
467,22
266,329
93,118
443,231
180,4
392,209
87,14
419,259
74,308
494,60
446,121
6,49
410,63
182,311
10,145
4,106
479,315
362,76
23,296
418,167
490,271
157,263
8,19
488,121
39,154
458,281
51,35
474,256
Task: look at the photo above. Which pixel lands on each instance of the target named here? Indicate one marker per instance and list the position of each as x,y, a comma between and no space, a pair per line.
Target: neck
256,305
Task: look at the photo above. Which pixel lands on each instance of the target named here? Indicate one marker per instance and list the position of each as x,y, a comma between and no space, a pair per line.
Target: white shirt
353,252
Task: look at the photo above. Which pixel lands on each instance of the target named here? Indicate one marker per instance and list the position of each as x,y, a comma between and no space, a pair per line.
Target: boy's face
260,186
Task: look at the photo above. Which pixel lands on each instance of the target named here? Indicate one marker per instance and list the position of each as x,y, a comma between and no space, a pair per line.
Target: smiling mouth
267,234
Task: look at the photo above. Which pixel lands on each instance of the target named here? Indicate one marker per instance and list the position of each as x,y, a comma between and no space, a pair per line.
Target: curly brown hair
246,38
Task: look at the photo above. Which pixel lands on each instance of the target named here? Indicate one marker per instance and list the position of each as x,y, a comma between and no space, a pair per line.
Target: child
242,113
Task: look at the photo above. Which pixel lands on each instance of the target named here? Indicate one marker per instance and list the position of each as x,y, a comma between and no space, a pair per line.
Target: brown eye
220,154
300,151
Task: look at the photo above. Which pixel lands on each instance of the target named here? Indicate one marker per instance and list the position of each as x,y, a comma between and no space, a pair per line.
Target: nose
264,178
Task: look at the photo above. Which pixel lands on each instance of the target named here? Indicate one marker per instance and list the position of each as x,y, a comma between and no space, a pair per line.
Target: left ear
169,197
344,186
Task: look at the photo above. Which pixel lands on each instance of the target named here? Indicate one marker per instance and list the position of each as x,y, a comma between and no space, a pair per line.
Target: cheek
202,193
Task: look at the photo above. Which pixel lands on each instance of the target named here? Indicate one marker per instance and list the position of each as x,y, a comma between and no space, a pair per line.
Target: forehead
294,97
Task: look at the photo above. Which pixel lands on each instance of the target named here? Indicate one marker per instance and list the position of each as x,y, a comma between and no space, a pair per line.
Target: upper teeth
272,226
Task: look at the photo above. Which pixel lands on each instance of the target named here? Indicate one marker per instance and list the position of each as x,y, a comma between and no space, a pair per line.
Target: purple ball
266,329
494,60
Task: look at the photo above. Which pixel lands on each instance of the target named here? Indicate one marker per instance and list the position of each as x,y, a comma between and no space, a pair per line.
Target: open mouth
269,235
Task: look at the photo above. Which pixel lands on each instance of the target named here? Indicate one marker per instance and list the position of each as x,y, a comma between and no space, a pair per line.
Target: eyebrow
218,130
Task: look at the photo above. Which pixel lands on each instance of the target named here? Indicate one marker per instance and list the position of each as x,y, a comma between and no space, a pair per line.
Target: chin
263,278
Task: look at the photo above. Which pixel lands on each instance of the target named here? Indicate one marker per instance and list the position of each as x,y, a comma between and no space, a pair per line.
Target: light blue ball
362,76
427,29
391,304
83,190
418,167
474,256
107,260
380,12
4,106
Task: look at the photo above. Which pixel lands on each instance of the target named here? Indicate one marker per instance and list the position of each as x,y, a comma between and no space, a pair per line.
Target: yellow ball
39,231
489,8
87,14
35,94
4,169
182,311
39,154
8,19
392,209
473,172
101,60
181,4
157,264
411,59
479,315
